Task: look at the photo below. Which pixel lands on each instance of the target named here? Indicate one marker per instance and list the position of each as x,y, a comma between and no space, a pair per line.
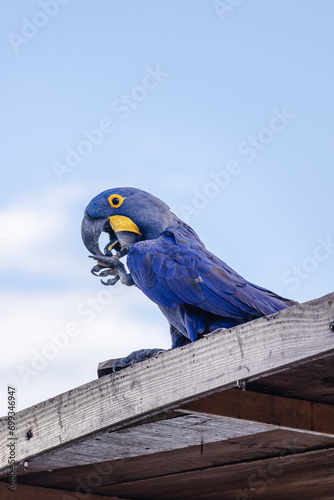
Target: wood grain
287,413
23,492
217,362
312,381
287,477
268,444
144,440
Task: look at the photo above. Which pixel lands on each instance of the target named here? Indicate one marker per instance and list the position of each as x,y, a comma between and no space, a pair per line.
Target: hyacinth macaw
196,291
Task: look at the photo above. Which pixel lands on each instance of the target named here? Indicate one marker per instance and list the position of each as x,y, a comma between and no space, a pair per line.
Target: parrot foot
111,266
136,356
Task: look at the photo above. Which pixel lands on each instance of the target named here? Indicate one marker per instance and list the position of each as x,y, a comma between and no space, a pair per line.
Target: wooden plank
308,475
217,362
312,381
194,458
23,492
288,413
145,439
241,414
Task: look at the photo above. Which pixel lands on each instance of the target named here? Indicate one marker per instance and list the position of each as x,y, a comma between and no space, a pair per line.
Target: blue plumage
175,270
195,290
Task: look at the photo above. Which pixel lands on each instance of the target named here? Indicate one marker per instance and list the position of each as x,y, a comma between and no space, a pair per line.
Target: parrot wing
177,269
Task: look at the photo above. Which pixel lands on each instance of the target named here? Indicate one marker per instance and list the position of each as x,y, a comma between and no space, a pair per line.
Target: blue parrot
195,290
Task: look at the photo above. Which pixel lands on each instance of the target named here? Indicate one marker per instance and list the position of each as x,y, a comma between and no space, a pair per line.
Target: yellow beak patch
122,223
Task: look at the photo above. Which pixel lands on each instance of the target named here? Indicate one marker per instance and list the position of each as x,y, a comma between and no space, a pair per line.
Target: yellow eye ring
115,200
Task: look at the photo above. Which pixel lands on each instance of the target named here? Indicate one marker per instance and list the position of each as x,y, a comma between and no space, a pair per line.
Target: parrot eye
115,200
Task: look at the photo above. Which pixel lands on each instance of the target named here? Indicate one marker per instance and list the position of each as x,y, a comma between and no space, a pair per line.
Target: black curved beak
91,230
121,241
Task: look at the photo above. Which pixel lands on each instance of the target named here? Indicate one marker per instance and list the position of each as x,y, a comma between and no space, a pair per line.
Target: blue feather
168,262
176,269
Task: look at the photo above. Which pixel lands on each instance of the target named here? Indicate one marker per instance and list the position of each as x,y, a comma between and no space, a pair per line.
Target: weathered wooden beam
289,476
144,440
215,363
288,413
203,455
23,492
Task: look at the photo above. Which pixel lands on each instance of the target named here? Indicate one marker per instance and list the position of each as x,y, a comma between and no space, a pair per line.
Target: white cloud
42,360
35,228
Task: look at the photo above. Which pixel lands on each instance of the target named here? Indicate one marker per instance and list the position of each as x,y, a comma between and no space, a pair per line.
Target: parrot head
127,215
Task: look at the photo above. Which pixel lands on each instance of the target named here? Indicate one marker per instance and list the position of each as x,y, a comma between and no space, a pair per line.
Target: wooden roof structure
241,414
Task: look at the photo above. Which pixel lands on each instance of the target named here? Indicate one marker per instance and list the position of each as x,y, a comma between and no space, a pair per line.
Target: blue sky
222,109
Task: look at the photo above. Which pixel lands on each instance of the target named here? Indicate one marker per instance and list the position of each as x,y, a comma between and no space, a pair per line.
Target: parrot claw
136,357
111,266
111,281
105,260
96,269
